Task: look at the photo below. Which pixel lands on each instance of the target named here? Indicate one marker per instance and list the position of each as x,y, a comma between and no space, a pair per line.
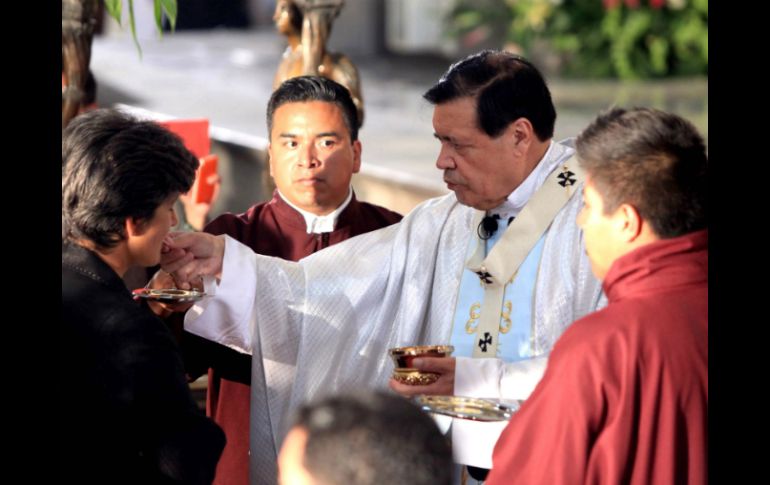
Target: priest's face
312,158
482,171
291,471
600,231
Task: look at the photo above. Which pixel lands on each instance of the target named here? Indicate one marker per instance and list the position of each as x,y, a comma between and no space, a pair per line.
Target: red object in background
195,135
193,132
202,189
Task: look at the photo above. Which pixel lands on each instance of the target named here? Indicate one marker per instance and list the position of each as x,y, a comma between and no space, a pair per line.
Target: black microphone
488,226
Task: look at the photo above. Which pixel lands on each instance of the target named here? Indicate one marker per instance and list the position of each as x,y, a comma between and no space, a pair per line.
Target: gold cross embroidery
473,321
505,316
506,323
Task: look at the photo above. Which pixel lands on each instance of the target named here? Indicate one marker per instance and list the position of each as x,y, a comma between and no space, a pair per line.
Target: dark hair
373,438
304,89
506,86
115,167
652,160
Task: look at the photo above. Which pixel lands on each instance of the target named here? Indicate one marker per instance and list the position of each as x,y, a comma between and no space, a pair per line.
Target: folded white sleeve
473,442
493,378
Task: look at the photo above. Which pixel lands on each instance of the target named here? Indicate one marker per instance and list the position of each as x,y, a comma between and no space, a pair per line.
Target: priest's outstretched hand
189,256
444,386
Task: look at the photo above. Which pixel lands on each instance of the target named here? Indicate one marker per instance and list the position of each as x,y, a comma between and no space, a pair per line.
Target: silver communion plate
471,408
169,295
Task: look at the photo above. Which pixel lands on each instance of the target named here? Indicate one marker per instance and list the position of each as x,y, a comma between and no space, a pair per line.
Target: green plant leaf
630,43
158,17
114,8
627,64
701,6
132,23
169,6
658,54
468,20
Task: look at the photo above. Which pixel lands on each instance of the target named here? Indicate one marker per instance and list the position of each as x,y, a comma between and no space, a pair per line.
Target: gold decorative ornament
506,323
413,377
472,323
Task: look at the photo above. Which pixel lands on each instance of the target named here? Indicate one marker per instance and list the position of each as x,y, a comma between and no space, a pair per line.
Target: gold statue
307,25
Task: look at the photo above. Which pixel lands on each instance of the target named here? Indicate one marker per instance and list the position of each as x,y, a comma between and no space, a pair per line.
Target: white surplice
323,325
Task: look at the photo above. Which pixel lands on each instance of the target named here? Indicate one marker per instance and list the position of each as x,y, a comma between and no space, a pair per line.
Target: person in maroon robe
625,396
314,151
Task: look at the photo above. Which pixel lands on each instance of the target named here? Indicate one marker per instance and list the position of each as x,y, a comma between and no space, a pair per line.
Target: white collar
521,194
319,224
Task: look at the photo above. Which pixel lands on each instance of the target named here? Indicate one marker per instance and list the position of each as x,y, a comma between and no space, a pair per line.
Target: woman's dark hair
116,167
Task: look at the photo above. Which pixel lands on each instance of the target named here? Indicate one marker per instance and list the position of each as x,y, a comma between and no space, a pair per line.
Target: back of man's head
374,438
304,89
652,160
115,167
507,87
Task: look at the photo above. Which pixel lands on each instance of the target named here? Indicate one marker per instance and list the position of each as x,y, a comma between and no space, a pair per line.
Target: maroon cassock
625,396
275,229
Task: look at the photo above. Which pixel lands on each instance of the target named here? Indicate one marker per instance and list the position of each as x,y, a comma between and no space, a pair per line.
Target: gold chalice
405,373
